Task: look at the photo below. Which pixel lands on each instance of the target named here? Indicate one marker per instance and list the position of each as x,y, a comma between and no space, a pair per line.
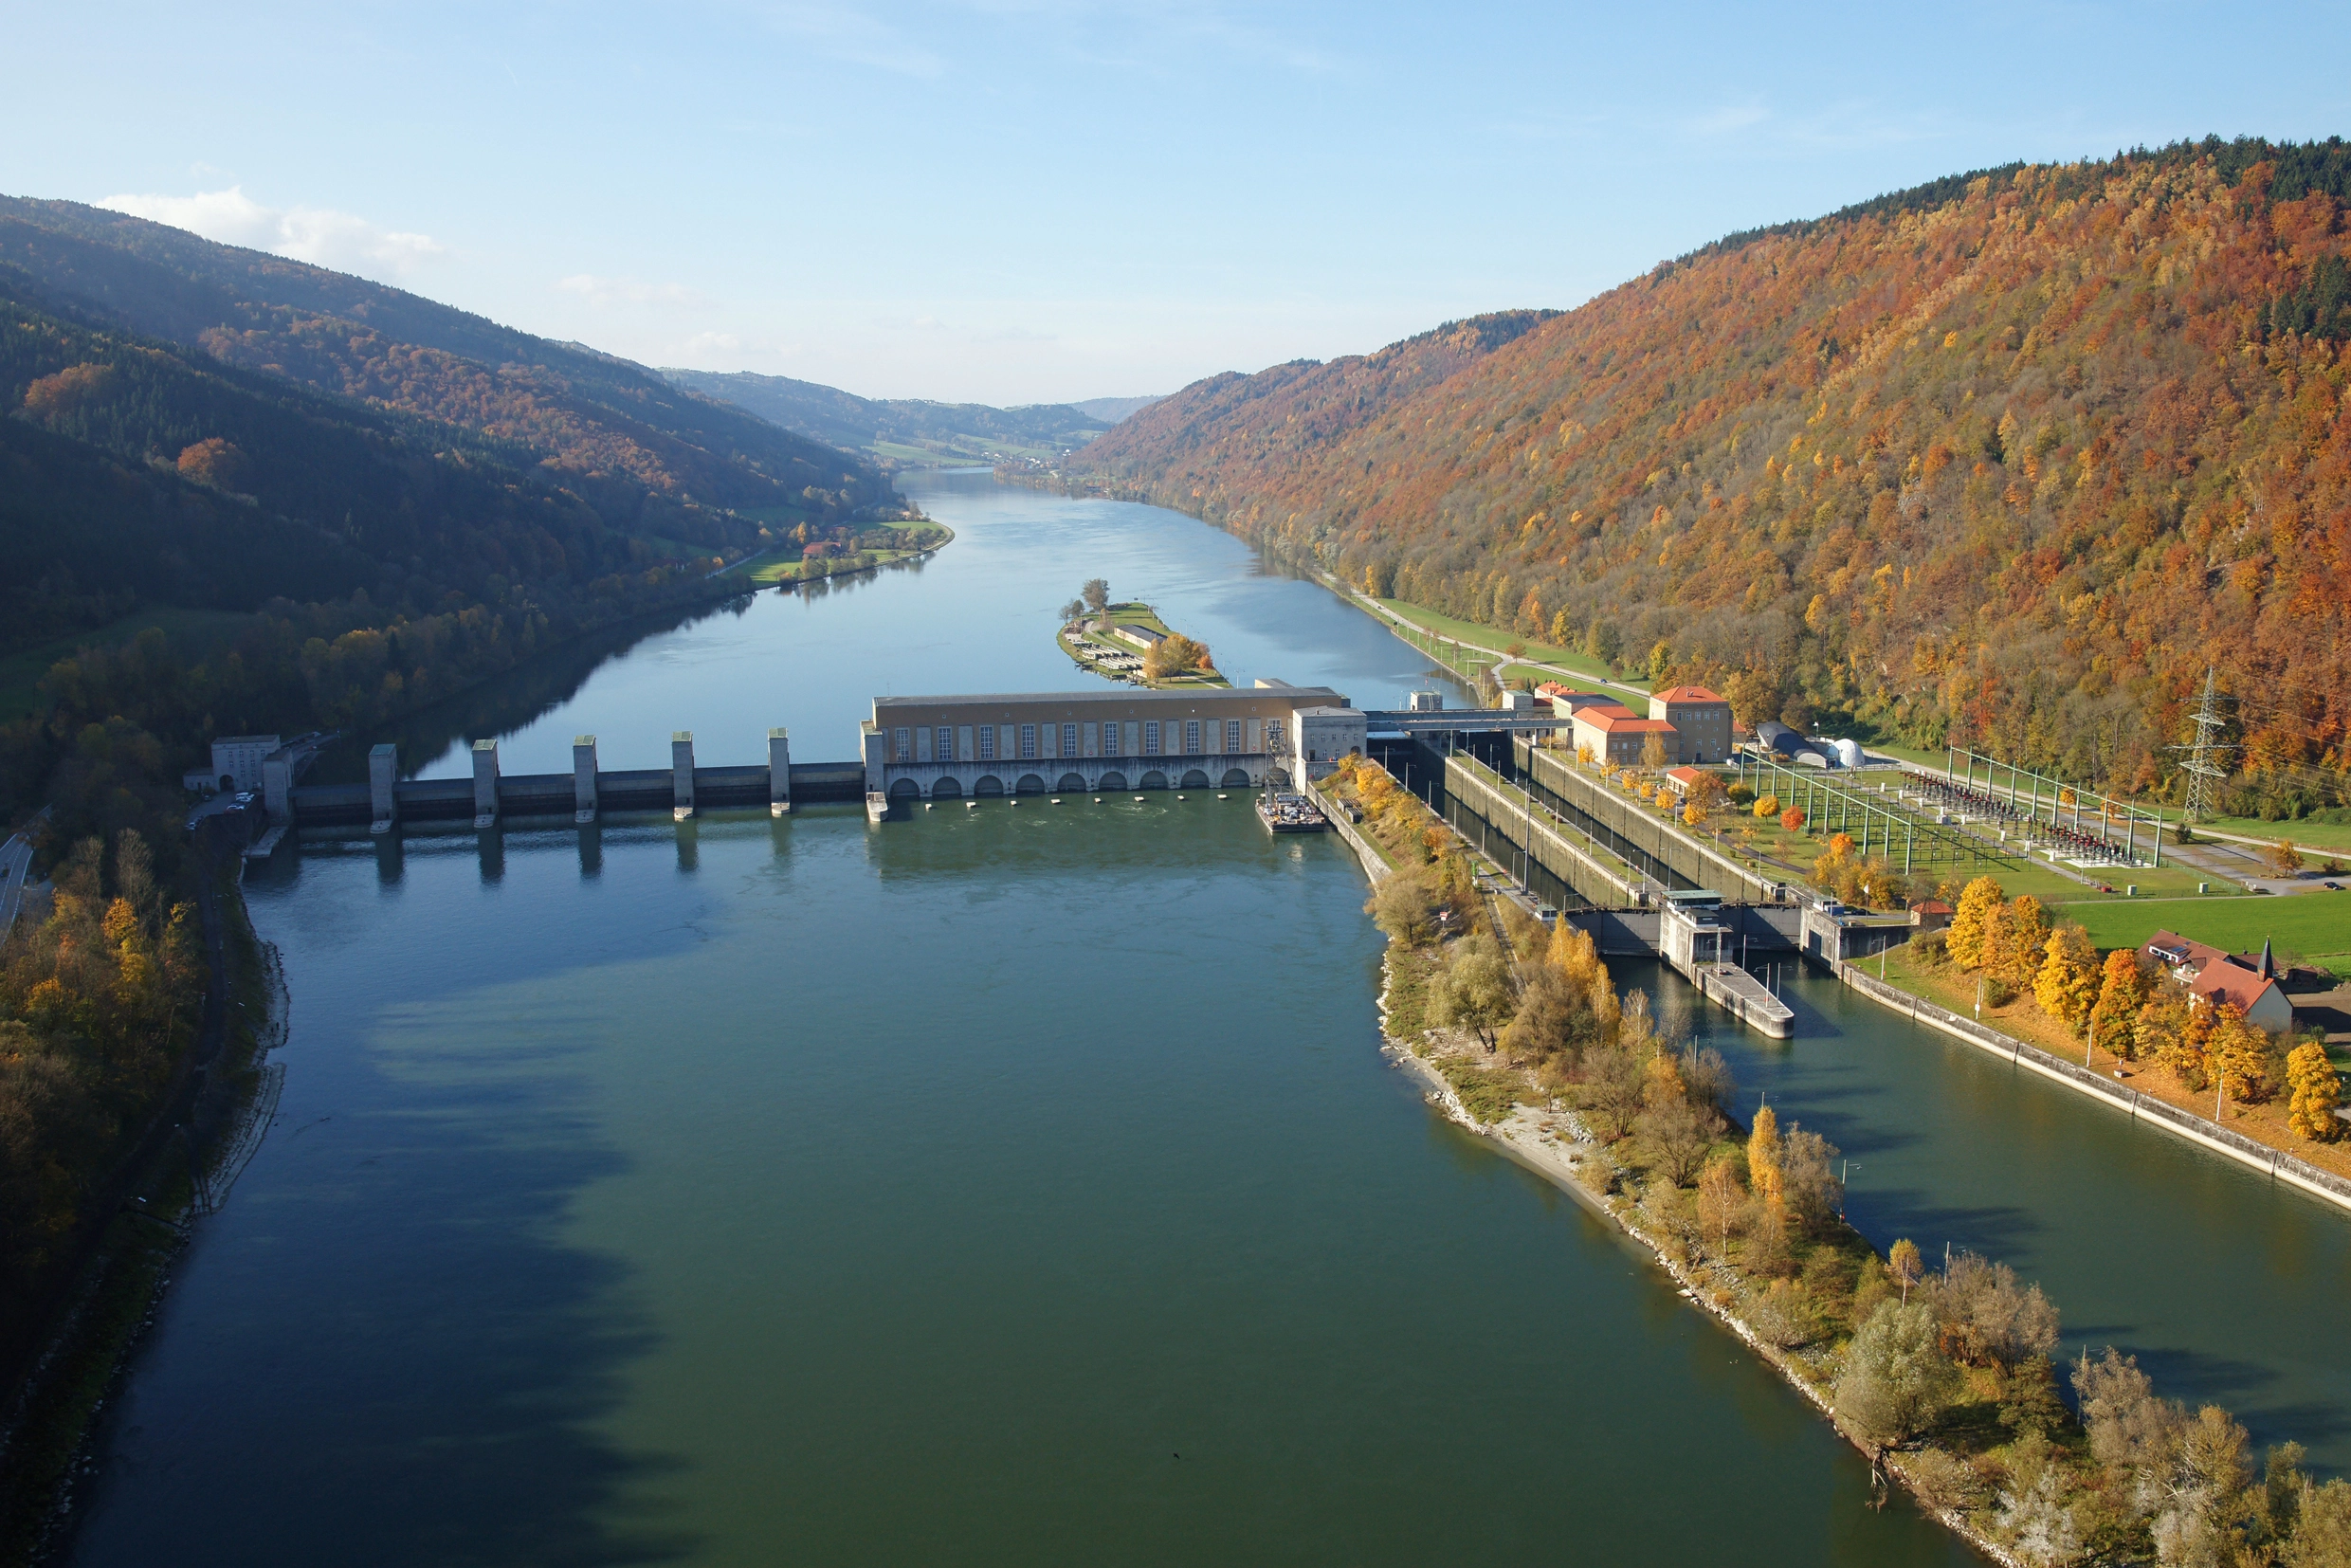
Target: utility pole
2203,766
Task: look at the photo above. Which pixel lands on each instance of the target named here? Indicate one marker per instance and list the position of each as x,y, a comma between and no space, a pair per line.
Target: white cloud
629,291
319,235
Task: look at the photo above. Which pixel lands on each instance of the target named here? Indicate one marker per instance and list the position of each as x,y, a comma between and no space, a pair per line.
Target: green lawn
962,451
194,632
2317,925
2317,837
1582,664
784,563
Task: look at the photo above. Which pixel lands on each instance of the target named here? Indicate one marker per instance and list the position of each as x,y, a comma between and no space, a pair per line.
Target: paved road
1363,601
15,861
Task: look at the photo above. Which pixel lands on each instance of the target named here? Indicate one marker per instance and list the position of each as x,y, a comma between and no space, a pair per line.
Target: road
15,861
1363,601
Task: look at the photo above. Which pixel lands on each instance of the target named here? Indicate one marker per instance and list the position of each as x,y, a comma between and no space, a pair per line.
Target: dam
1642,888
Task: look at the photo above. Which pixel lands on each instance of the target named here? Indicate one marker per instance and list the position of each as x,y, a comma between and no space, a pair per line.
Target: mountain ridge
911,431
2002,461
601,420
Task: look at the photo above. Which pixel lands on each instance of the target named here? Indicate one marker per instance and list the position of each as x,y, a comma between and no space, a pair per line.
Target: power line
2205,775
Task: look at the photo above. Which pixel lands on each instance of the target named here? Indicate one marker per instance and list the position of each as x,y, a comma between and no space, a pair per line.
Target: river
1020,1184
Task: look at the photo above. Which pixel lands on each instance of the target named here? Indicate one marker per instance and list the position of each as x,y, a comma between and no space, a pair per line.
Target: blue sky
1036,200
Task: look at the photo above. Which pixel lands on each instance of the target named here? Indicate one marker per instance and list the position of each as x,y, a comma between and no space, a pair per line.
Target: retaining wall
2212,1135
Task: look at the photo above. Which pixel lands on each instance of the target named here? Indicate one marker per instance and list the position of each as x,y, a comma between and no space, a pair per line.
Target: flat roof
1130,694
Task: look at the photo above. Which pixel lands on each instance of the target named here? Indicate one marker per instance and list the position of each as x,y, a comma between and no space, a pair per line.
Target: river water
1021,1184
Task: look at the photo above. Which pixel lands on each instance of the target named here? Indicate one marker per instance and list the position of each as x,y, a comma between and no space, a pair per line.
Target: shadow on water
452,1367
396,1357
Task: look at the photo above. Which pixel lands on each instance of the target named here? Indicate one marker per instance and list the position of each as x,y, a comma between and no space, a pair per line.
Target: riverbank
1995,1458
793,564
177,1173
1554,1144
2148,1093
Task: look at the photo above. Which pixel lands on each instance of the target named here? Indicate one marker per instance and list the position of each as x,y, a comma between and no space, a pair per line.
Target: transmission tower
2204,770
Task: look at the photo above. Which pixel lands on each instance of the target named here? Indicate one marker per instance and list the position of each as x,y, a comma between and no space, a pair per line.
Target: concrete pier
1694,938
383,788
583,780
681,774
778,773
485,783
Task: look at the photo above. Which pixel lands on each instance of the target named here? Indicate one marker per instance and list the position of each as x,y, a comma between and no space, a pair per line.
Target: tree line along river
1026,1184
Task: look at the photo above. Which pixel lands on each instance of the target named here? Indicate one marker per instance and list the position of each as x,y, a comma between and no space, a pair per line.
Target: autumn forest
2005,461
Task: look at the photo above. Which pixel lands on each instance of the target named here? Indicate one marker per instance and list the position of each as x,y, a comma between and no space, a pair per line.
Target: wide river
1025,1184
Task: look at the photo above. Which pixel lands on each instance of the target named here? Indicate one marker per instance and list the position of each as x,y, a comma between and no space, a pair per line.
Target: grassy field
2317,838
785,564
191,631
961,453
1582,664
2317,925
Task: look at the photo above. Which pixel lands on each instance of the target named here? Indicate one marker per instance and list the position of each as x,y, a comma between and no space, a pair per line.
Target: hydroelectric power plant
1568,845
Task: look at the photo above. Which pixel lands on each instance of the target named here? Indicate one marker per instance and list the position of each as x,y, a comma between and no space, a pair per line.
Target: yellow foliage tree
1766,808
2240,1057
1763,1149
1906,1265
1965,938
2066,983
2121,991
2162,1017
1693,815
2188,1051
2316,1090
2016,943
1175,654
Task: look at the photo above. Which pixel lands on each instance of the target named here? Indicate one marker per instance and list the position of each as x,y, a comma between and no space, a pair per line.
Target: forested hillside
615,431
2007,460
902,430
180,425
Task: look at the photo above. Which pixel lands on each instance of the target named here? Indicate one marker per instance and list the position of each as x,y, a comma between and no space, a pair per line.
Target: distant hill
369,503
606,424
1111,409
2005,461
912,432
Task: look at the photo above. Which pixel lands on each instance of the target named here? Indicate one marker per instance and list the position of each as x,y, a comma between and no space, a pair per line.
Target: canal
1023,1183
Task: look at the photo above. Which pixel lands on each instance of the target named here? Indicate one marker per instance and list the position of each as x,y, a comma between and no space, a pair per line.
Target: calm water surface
1015,1185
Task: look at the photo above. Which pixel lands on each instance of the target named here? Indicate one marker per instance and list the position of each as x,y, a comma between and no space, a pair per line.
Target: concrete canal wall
2280,1165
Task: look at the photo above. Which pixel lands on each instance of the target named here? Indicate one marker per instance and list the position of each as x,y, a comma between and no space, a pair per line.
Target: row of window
993,742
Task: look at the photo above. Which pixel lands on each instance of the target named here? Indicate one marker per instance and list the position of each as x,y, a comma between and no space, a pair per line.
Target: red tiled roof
1687,694
2213,975
1685,777
2222,981
1615,721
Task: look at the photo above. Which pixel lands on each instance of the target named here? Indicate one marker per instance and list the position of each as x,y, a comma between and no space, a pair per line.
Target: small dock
1283,813
1745,997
